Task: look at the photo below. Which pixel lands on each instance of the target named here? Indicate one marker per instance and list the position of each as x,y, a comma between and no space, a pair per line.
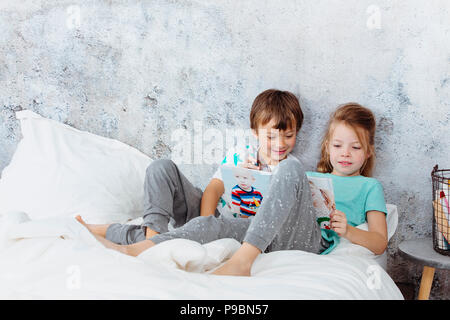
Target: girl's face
275,144
346,153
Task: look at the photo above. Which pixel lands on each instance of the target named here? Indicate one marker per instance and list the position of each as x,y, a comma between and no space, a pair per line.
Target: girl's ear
255,133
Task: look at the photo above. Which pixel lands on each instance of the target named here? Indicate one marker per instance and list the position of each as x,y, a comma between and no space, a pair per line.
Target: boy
275,119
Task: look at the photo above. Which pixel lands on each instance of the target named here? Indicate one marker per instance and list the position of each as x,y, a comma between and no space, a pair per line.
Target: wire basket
441,210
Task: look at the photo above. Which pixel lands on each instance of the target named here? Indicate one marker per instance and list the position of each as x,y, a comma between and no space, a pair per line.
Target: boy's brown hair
281,106
362,120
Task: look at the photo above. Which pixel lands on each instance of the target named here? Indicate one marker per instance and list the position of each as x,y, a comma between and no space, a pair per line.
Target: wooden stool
421,251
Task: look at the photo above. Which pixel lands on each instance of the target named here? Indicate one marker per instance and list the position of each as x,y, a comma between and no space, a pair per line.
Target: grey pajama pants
168,195
285,221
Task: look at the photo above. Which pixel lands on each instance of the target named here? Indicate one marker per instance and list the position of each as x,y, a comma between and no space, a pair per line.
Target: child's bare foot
233,268
98,229
80,220
108,244
240,264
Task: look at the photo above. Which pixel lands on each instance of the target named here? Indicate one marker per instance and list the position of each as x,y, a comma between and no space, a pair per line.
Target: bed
58,171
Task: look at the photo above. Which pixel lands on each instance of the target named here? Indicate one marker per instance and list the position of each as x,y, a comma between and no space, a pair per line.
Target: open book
244,189
323,199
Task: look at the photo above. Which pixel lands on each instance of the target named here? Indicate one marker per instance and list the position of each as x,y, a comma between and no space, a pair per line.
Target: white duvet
57,258
58,170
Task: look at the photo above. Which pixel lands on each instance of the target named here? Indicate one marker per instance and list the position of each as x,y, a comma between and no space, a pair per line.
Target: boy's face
275,144
244,180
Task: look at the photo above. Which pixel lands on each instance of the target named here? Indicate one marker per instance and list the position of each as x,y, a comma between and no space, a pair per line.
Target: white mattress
58,258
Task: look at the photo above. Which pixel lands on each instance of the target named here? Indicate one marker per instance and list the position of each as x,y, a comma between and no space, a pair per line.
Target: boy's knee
160,165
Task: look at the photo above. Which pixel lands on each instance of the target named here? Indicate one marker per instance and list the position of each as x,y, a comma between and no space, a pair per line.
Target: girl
348,157
286,219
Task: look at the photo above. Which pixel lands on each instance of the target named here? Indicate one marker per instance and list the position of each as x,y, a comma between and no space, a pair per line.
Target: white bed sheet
58,258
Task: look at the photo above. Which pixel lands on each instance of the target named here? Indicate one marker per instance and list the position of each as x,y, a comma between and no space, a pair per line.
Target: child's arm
211,196
375,239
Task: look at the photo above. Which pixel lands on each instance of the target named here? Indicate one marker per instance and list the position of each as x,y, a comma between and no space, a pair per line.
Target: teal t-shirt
354,196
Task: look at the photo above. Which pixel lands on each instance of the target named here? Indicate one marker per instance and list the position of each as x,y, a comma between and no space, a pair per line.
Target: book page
323,199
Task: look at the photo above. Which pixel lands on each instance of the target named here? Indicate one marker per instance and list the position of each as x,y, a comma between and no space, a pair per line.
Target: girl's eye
270,138
336,145
356,148
289,136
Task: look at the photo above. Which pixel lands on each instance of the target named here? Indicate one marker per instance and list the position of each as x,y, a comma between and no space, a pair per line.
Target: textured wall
137,70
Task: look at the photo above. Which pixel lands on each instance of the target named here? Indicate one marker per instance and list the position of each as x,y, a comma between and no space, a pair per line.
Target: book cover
244,189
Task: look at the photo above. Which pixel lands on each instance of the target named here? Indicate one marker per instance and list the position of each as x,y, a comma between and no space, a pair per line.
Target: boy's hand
249,163
338,223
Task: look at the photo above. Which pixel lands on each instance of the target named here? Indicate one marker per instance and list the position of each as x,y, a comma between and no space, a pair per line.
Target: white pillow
391,220
61,171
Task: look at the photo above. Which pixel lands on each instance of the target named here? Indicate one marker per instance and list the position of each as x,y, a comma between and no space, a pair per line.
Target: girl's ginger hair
362,120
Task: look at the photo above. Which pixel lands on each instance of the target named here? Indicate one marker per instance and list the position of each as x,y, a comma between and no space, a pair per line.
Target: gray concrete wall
138,70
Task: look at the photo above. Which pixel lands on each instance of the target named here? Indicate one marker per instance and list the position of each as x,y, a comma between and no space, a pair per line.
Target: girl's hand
338,223
249,163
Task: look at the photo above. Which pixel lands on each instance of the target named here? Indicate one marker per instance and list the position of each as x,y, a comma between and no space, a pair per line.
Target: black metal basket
441,210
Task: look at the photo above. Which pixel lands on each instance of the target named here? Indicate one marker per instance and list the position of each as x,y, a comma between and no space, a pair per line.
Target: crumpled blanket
58,258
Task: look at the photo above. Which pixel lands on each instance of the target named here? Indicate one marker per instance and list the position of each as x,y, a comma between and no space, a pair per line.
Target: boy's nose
280,144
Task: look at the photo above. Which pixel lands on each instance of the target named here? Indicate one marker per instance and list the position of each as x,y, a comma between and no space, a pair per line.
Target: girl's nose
346,153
